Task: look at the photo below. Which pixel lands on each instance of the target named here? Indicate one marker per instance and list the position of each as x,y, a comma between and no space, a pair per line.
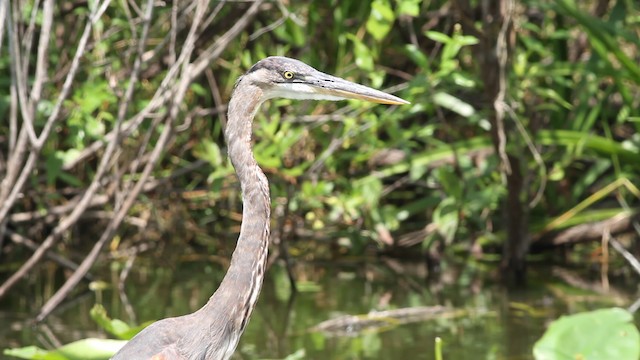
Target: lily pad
85,349
595,335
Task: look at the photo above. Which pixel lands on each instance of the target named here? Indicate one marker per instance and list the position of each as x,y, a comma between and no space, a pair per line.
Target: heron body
213,331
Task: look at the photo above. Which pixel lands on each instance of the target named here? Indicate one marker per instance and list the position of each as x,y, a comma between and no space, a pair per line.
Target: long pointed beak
332,86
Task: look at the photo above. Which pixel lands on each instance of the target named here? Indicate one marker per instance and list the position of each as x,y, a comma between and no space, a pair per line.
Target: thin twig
29,165
22,240
212,52
115,222
632,260
4,9
16,188
164,91
502,54
536,156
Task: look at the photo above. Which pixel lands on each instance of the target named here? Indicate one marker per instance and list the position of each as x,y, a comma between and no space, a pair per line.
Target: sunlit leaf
209,151
417,56
380,20
409,7
446,217
438,36
85,349
364,58
453,103
115,327
31,352
300,354
596,335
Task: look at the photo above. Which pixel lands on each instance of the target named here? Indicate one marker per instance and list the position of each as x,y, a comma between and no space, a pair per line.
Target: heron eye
288,75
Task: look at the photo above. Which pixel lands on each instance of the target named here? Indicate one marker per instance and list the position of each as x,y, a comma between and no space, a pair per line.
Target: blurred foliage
600,334
85,349
364,171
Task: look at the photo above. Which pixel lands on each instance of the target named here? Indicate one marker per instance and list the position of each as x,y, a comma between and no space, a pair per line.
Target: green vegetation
85,349
599,334
522,134
459,159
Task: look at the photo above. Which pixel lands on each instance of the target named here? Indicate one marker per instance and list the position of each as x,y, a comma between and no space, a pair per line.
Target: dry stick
19,239
160,97
183,59
627,255
115,222
157,53
111,229
173,33
536,156
188,76
127,13
499,103
286,15
217,97
28,105
19,148
215,50
59,210
123,295
160,145
164,92
587,231
10,168
27,39
16,188
214,13
73,217
141,157
4,9
14,163
335,144
41,61
19,76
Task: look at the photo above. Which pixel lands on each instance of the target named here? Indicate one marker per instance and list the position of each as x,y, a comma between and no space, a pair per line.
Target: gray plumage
213,331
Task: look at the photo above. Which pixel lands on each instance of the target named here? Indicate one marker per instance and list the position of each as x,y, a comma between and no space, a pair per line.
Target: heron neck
243,281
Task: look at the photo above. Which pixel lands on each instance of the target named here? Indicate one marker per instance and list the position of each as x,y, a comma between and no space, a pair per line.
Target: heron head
279,76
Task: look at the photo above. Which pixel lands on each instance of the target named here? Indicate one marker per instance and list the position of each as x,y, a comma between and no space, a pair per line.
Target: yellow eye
288,75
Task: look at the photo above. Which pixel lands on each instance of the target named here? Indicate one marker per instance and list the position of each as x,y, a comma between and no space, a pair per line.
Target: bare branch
21,240
31,161
116,220
4,9
215,50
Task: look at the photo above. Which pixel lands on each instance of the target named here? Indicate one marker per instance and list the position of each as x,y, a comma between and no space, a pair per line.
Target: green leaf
409,7
364,58
209,151
85,349
417,56
89,349
438,36
380,19
453,103
300,354
54,167
595,335
116,327
446,217
602,37
29,352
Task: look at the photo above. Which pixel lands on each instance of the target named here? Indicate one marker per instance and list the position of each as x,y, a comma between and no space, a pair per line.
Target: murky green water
496,324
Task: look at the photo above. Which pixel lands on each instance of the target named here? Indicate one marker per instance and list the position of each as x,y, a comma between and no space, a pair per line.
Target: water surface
495,323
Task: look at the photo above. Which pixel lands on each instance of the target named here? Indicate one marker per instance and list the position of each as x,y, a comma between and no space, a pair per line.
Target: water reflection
497,324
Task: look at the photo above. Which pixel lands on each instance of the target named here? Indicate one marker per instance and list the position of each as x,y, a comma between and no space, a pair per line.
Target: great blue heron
213,331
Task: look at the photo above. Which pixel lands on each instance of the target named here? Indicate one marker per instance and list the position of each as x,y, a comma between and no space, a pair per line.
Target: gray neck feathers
239,290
